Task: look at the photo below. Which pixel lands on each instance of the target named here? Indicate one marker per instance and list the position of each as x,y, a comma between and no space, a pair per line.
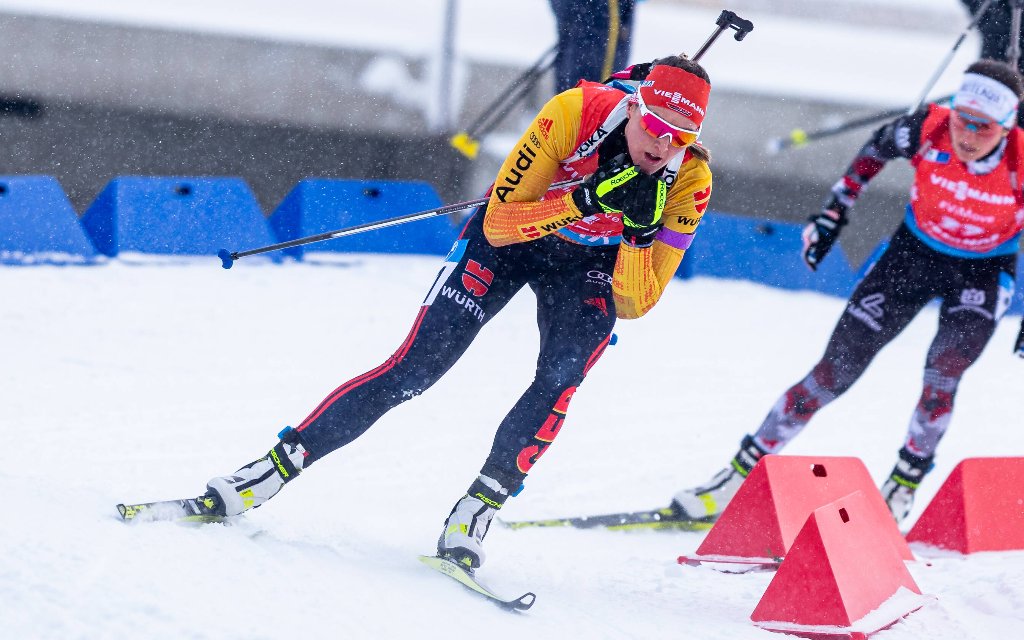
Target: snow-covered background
140,379
854,61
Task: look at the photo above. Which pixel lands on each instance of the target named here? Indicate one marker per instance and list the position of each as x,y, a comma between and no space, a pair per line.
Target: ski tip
523,602
226,258
128,512
467,578
131,513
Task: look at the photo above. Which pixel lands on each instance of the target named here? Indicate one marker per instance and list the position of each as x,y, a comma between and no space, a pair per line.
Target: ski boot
706,502
464,530
903,482
260,480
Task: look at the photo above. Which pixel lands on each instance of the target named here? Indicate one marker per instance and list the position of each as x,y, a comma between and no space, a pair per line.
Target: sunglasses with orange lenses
659,128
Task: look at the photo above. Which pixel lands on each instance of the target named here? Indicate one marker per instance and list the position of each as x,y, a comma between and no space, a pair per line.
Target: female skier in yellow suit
602,249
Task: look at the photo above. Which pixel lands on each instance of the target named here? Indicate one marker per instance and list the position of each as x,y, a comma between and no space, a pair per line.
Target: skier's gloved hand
641,216
1018,347
821,234
603,191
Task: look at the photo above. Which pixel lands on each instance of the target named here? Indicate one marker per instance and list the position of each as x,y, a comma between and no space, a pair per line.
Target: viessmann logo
961,191
677,98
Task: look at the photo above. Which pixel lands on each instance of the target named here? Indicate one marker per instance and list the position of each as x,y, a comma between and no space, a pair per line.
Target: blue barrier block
320,205
764,251
38,223
172,215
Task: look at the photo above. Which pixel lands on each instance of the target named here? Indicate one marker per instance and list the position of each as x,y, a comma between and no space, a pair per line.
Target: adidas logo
545,126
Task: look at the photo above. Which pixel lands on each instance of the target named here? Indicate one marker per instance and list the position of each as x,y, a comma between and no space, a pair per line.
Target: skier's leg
971,309
881,306
473,284
576,313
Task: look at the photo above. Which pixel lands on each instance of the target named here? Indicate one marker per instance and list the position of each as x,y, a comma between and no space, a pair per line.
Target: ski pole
799,137
228,257
1013,52
949,57
467,142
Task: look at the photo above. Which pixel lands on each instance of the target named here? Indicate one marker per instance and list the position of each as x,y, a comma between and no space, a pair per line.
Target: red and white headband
678,90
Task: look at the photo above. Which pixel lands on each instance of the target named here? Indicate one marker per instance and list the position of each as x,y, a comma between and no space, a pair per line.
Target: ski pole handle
726,20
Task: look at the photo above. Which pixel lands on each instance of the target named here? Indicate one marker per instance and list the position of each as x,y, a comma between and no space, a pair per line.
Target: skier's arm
901,138
641,274
515,212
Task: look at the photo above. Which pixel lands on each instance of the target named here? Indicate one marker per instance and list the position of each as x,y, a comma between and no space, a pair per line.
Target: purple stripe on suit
674,238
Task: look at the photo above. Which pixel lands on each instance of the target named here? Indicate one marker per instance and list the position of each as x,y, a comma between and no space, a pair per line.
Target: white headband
988,96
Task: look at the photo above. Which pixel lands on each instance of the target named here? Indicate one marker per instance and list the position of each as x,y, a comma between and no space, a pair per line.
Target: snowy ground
127,382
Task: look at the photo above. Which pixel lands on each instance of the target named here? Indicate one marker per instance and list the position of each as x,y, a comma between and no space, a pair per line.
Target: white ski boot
260,480
464,530
706,502
898,490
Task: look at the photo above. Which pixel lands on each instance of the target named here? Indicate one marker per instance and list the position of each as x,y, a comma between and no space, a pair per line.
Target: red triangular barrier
980,507
773,504
839,569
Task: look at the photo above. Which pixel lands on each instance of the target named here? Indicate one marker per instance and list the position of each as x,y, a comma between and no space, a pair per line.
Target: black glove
641,215
603,191
1018,347
822,233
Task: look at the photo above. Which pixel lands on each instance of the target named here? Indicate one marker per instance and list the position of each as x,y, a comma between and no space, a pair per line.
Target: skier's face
974,134
649,153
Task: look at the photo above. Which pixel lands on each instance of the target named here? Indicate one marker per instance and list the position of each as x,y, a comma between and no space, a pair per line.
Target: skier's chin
966,152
